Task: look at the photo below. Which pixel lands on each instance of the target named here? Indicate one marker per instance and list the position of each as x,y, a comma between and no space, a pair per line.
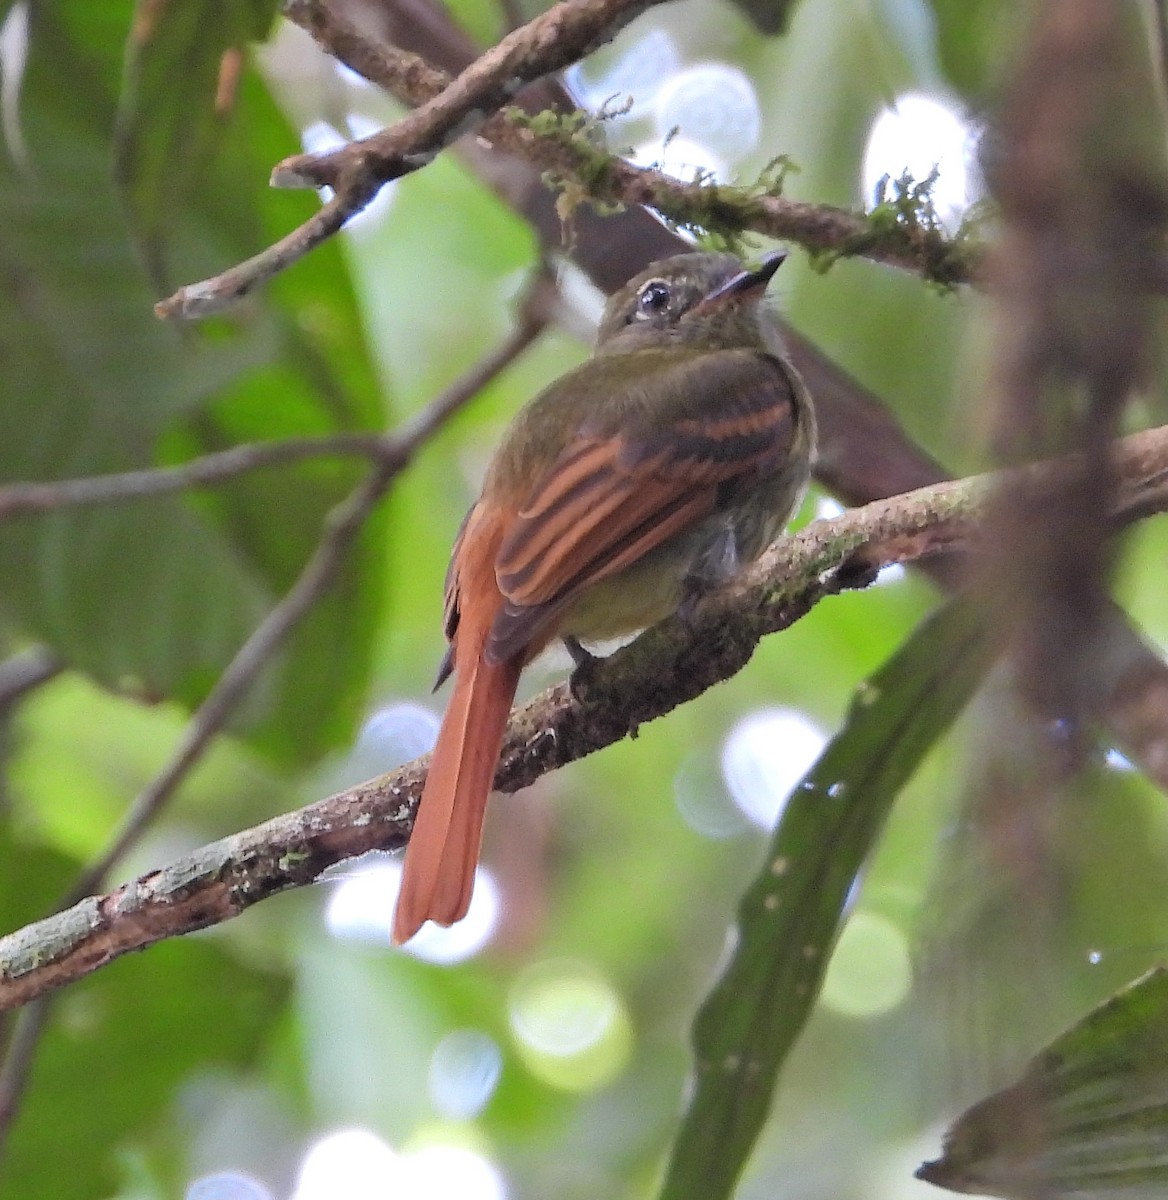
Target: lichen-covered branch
667,666
356,172
445,107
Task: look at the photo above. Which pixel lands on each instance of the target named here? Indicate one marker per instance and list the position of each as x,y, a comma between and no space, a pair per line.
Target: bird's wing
612,496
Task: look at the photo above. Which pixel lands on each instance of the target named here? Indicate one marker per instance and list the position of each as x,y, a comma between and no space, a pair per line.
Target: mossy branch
665,667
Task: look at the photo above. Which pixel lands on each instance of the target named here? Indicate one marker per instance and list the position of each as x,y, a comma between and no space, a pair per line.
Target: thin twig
25,671
358,171
19,1053
205,471
667,666
342,527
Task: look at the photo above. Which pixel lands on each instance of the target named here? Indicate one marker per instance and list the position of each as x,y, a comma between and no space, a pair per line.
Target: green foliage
791,914
177,98
135,182
154,598
121,1026
1087,1114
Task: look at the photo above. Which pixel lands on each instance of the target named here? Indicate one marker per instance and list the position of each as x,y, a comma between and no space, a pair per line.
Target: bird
625,491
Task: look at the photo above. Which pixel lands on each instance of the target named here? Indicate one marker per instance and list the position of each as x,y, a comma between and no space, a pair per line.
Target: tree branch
358,171
205,471
342,527
665,667
446,107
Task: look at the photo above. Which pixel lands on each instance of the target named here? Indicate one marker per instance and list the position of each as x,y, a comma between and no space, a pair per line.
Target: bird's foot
586,662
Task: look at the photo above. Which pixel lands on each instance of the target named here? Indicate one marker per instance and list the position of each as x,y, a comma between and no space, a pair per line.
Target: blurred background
539,1048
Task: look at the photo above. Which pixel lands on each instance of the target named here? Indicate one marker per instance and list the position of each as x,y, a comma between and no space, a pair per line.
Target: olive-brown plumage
630,487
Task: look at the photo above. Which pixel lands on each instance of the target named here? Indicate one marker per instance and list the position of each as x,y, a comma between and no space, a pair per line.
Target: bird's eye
653,298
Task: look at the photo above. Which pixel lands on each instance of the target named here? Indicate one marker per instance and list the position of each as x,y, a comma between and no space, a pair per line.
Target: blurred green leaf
790,916
973,39
1087,1118
153,1020
155,597
183,65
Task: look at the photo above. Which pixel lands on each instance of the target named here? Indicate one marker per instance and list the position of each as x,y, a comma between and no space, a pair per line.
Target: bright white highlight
765,756
361,909
827,507
13,59
712,104
464,1072
391,736
683,158
446,946
227,1185
917,134
638,73
355,1164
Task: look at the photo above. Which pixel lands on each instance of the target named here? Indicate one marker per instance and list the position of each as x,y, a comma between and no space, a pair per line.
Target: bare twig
205,471
566,150
25,671
19,1053
216,294
342,526
665,667
356,172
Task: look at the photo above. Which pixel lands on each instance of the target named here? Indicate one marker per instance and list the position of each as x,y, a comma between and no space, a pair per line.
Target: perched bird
625,491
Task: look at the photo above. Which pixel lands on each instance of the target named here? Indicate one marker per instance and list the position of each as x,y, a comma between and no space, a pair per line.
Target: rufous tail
443,849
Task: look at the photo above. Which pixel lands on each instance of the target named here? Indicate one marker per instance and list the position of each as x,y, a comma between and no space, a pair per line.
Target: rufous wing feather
609,500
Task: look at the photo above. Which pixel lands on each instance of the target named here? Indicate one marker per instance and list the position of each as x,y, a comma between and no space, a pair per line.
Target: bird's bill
744,285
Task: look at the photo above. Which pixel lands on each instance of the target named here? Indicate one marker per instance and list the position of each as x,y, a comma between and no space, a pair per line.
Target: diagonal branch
342,527
667,666
358,171
445,107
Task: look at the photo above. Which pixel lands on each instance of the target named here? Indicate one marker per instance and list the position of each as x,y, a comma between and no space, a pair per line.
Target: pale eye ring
653,298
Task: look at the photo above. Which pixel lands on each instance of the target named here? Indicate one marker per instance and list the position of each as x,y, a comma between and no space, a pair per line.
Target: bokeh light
638,72
351,1164
392,735
918,133
703,800
871,969
764,757
570,1026
448,1173
711,104
464,1072
682,157
354,1164
227,1185
361,909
